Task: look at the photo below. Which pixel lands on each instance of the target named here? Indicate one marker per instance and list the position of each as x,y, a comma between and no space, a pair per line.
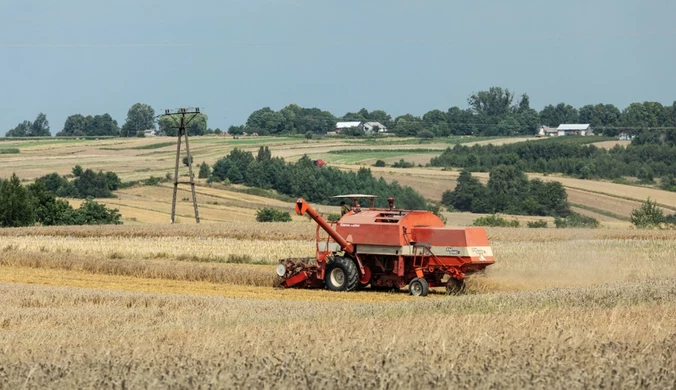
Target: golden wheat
616,336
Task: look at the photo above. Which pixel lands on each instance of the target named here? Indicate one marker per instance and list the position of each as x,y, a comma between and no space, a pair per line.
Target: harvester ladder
419,258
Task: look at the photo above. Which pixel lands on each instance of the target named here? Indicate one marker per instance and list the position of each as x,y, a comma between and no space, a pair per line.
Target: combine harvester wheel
418,287
341,275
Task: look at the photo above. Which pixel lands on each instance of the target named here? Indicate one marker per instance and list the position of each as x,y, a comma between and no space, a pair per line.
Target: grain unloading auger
387,249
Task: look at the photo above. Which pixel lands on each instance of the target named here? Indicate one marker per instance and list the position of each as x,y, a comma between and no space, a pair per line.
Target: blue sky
230,57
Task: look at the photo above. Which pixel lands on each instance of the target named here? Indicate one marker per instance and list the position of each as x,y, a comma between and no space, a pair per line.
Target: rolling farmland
152,305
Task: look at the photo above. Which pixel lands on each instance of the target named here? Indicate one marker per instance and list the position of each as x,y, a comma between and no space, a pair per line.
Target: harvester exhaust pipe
303,207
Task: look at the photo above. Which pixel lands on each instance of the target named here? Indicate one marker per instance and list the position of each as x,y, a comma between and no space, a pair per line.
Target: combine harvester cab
387,249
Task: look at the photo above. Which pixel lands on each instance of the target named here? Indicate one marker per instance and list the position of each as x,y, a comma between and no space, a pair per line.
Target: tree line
508,191
494,112
651,154
140,117
304,179
27,205
86,183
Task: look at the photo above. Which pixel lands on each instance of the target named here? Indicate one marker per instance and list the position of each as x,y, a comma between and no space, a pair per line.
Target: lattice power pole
181,124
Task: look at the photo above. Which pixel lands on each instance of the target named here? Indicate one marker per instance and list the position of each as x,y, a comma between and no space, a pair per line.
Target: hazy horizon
232,57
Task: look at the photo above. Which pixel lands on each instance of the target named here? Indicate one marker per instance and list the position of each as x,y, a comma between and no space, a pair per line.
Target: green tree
103,125
235,175
236,130
264,154
265,121
91,184
506,186
113,181
77,171
93,213
434,117
507,126
647,215
37,128
408,126
76,125
40,127
16,204
49,211
469,195
204,171
53,181
495,102
600,116
425,134
668,183
556,115
524,104
140,117
460,122
21,130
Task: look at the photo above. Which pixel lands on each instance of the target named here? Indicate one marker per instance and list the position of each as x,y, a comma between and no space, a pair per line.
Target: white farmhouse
574,129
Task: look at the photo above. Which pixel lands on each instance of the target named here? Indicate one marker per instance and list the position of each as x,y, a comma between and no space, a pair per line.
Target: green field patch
379,141
347,156
154,146
9,151
601,211
578,140
244,141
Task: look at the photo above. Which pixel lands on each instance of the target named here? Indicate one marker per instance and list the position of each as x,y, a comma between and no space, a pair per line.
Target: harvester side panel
448,236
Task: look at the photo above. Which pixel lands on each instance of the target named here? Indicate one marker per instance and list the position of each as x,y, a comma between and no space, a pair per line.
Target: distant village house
565,130
368,127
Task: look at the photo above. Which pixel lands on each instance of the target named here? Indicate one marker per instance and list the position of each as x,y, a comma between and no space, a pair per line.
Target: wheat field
152,307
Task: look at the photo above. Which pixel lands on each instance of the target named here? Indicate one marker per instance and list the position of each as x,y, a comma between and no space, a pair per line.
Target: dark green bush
537,224
495,221
403,164
575,220
648,215
153,181
268,214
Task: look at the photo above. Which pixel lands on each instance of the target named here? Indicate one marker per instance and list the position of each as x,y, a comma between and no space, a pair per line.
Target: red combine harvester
387,249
